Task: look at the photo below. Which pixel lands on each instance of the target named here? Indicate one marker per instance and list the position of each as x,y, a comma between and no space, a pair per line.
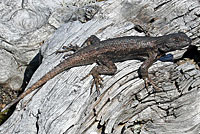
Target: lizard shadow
192,53
29,71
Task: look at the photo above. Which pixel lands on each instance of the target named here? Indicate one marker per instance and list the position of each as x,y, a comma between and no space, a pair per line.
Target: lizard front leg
105,67
143,70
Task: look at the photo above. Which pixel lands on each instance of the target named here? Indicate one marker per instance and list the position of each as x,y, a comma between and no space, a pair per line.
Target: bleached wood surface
64,104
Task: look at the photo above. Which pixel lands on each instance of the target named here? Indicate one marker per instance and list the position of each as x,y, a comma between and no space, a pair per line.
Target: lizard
107,52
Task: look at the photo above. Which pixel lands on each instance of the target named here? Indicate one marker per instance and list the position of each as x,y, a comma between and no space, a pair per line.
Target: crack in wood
160,5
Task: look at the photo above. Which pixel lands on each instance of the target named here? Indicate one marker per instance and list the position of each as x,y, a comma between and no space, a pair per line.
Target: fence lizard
107,52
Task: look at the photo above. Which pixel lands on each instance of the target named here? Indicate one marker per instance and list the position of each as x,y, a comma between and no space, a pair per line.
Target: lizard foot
68,48
97,81
150,81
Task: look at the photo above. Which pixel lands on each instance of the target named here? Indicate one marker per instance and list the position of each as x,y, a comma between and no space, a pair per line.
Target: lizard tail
58,69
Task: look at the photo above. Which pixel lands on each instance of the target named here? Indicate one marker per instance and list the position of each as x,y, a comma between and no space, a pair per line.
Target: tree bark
64,104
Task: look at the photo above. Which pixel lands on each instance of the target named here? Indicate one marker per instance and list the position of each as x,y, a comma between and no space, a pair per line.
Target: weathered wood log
64,104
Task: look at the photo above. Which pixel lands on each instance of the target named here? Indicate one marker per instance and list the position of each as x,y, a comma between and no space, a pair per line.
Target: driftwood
64,104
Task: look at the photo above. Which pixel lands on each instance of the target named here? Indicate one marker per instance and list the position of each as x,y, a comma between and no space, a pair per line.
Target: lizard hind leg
97,80
91,40
105,67
68,48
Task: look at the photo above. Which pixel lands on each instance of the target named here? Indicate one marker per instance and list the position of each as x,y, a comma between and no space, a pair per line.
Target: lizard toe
150,81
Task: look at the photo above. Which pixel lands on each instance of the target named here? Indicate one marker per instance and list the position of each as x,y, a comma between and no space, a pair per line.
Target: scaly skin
106,53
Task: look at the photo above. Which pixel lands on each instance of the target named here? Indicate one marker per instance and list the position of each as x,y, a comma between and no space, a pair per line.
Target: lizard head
175,41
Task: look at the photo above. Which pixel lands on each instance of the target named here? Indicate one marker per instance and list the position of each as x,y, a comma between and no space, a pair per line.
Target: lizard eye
176,40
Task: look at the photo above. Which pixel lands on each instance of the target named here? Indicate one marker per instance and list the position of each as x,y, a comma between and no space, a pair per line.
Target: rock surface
64,104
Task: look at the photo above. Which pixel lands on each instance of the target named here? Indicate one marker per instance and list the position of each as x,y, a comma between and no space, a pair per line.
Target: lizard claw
97,81
150,81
